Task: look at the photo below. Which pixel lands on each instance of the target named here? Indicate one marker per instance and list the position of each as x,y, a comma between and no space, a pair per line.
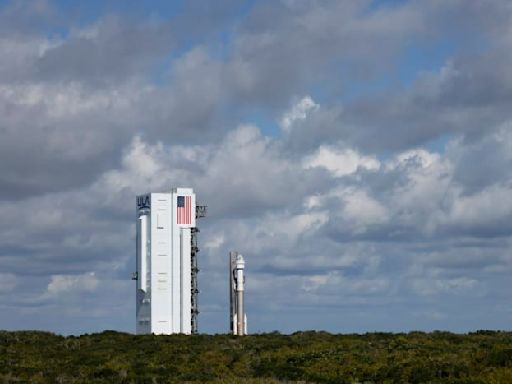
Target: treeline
312,357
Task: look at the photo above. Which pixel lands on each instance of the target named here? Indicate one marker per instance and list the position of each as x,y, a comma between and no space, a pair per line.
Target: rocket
238,318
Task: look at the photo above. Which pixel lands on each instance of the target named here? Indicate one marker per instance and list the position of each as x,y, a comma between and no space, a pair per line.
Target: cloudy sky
357,152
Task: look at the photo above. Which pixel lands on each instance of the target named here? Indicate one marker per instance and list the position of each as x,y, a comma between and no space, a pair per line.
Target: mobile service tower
166,293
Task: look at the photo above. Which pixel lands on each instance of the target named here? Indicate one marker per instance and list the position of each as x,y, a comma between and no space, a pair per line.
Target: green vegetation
312,357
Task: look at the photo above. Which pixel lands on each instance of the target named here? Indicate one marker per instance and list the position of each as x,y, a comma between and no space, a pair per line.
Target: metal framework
232,309
200,212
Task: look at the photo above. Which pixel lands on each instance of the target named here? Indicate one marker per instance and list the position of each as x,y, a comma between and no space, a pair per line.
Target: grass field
312,357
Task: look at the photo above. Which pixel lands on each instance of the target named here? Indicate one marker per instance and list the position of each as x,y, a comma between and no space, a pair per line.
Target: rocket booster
237,278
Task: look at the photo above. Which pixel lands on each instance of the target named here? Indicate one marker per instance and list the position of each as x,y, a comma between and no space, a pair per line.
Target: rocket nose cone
240,262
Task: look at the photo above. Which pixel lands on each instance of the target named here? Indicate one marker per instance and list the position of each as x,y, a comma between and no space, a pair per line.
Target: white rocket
238,318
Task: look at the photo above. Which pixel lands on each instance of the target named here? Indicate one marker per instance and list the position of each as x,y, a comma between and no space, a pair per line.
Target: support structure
166,292
200,212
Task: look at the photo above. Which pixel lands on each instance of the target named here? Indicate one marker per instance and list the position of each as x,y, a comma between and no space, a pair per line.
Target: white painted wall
163,297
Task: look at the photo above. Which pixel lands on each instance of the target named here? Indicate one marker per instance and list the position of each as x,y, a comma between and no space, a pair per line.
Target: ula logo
143,202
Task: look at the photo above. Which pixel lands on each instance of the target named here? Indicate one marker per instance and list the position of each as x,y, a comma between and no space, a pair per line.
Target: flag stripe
184,210
187,209
190,209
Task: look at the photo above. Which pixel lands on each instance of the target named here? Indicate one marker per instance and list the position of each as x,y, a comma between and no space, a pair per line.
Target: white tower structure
165,222
237,318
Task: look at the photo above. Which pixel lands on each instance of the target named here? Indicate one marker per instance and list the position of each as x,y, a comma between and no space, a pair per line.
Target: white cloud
215,241
66,284
490,206
63,101
361,210
313,283
299,111
334,282
284,224
424,190
436,286
340,162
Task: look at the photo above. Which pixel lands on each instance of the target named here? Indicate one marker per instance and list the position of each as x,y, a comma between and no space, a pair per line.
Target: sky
358,153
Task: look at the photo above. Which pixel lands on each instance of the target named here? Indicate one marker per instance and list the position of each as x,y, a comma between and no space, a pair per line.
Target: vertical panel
186,282
160,264
142,252
176,278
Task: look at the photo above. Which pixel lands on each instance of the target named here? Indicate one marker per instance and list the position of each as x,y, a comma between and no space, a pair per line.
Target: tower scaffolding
200,212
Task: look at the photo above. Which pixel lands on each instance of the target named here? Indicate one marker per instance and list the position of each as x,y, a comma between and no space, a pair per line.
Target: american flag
184,210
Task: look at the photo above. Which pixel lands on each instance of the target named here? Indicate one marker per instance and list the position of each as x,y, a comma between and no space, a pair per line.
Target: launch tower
166,298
